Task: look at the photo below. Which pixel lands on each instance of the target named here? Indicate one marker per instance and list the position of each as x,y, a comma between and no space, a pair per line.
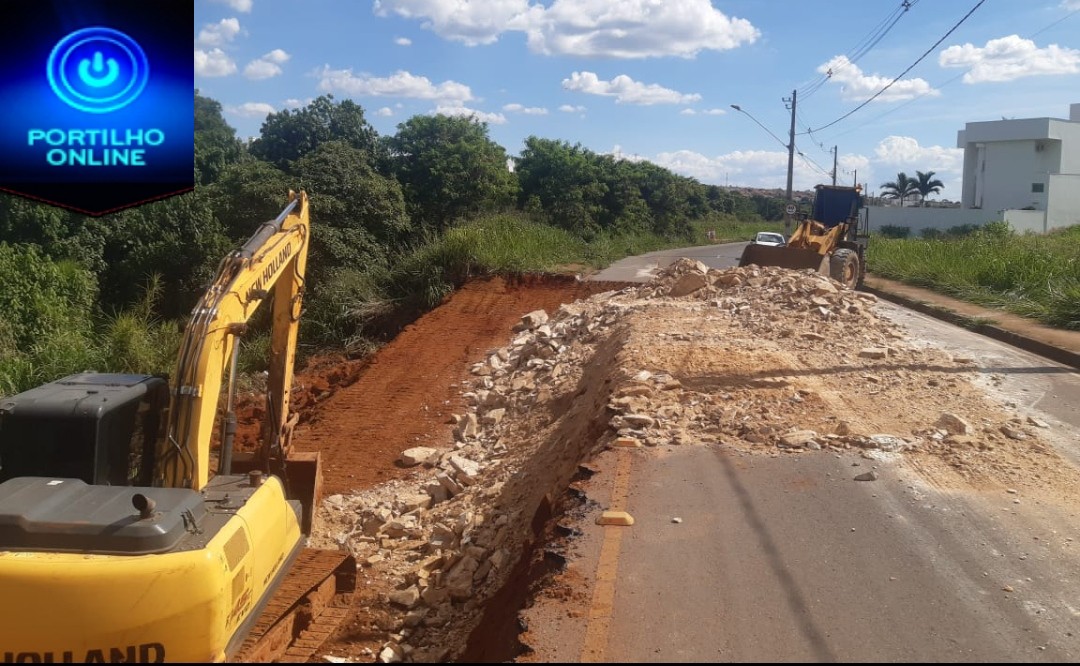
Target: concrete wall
1026,220
943,219
1064,208
917,218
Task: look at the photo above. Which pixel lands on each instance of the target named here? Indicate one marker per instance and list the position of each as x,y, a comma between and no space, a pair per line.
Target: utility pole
790,158
834,166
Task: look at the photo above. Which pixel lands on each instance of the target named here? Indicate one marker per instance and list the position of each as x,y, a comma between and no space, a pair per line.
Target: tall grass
132,341
1033,276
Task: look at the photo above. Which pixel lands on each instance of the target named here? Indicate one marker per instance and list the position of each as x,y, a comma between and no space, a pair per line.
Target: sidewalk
1056,344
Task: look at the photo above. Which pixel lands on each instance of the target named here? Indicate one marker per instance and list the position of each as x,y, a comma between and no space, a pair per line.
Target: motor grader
828,241
118,543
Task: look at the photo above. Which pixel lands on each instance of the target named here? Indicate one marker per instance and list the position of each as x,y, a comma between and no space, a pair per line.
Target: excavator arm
271,262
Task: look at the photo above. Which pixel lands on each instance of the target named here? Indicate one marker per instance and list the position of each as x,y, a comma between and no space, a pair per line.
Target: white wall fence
943,219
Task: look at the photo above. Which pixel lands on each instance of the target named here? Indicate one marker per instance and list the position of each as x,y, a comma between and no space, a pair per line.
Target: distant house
1025,168
1024,171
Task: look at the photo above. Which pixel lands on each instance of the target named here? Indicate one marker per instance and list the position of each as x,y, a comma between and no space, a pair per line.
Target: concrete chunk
418,455
620,518
953,424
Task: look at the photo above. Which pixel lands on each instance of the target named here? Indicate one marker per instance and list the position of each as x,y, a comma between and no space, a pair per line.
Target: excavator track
311,602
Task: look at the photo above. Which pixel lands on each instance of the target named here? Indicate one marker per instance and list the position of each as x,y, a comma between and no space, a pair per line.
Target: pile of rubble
758,359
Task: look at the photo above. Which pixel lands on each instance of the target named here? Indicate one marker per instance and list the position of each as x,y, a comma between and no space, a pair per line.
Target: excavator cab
829,241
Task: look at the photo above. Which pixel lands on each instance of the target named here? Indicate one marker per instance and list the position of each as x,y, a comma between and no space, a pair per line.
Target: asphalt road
642,267
789,559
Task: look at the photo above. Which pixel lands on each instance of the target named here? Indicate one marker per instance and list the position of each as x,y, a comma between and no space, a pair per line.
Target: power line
946,83
811,163
880,28
912,66
863,47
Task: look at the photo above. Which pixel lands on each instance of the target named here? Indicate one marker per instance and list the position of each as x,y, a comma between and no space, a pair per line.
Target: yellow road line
603,601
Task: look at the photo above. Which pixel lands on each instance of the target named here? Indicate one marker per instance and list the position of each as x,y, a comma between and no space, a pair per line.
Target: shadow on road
799,608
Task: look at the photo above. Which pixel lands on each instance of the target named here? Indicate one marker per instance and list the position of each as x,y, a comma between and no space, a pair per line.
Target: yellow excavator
828,241
118,544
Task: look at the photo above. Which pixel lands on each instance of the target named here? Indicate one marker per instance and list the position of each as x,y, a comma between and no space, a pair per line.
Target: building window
1037,188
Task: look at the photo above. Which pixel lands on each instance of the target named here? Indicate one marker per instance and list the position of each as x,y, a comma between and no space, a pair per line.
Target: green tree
565,179
449,168
901,188
216,145
41,298
359,212
926,184
59,233
248,193
624,206
288,135
179,239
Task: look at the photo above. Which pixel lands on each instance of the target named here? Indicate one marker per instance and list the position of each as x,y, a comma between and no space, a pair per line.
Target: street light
790,145
741,110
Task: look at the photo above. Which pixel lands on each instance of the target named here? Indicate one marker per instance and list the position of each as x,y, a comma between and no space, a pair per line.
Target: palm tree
901,188
926,184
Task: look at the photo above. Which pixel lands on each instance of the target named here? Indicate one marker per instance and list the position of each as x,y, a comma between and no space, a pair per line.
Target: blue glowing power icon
97,70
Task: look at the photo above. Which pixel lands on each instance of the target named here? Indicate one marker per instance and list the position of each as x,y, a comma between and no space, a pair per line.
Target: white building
1026,172
1027,168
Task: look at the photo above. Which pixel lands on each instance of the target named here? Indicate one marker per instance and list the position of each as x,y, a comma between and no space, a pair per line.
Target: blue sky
655,79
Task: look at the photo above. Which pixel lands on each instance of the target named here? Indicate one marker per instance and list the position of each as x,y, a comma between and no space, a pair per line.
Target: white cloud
294,103
1010,58
527,110
755,168
617,153
571,108
704,112
768,169
688,112
239,5
905,151
213,63
267,66
220,33
635,28
856,86
624,29
465,21
626,90
277,56
403,41
399,84
251,109
385,112
459,110
1070,4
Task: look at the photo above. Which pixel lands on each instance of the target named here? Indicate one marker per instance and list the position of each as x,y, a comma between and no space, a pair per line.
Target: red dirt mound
361,414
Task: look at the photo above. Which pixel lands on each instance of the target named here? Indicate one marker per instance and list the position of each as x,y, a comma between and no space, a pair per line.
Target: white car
769,238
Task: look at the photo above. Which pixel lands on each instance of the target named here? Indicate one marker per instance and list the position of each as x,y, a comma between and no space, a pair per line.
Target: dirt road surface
757,408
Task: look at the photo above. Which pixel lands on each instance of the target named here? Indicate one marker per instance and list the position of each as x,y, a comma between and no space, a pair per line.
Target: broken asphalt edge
1052,352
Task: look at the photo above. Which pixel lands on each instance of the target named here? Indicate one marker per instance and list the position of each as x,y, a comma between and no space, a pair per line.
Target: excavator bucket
784,257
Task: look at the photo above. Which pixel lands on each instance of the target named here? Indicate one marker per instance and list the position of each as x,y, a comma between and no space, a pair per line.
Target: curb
1063,356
